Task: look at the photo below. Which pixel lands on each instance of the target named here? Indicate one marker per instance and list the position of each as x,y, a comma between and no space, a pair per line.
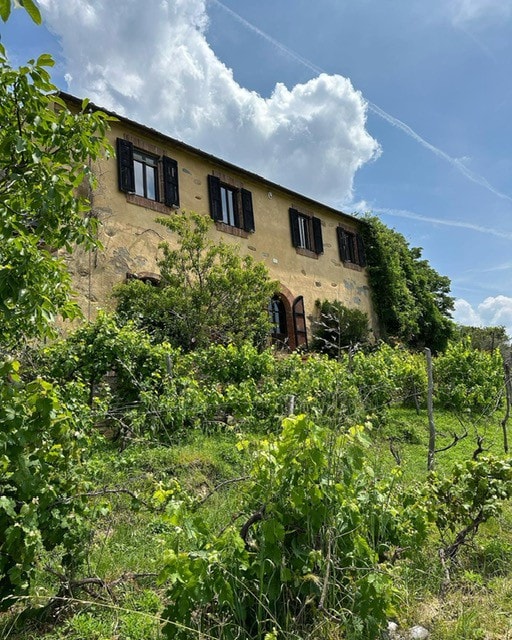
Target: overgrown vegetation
149,488
336,328
208,292
411,299
320,524
45,155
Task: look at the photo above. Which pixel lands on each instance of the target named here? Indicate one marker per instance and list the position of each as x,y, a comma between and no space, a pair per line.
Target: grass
131,533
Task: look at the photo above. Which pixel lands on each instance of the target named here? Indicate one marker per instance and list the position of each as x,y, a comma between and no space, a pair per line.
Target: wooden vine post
430,409
508,390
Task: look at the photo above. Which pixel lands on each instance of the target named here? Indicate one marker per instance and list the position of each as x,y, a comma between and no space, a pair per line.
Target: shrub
41,446
336,328
469,380
308,549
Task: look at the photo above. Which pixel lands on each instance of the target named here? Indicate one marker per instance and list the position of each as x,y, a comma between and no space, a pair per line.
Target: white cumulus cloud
493,311
152,62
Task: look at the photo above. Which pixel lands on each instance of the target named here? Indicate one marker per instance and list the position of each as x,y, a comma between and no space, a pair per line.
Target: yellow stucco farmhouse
314,251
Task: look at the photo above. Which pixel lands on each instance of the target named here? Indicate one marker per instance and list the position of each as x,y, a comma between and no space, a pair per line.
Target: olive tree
208,293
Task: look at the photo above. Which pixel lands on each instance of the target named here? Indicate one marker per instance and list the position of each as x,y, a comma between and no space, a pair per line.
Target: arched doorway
288,320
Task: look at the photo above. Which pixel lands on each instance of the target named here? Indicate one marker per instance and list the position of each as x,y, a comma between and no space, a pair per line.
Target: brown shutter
171,189
125,172
214,195
247,211
294,227
299,322
317,235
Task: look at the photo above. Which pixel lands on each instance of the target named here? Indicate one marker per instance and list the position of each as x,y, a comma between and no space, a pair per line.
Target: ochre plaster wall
130,235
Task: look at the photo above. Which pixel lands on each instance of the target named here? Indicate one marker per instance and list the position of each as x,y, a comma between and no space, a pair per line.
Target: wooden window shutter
247,210
361,253
215,199
317,235
294,227
343,244
125,172
299,322
171,189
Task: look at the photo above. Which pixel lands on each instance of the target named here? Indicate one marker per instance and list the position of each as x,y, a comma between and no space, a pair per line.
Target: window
306,232
229,205
351,247
277,314
146,175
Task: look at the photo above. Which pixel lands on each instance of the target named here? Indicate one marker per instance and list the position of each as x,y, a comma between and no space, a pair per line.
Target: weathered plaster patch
363,291
349,285
121,258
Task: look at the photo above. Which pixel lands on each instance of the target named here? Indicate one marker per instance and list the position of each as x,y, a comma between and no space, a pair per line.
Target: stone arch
292,338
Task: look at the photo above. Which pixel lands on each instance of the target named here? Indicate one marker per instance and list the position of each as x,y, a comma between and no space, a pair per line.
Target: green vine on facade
411,299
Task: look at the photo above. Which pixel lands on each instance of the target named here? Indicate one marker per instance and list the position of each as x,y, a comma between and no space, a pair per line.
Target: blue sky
402,108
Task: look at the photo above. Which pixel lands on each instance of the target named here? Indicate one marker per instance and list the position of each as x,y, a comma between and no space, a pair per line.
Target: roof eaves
67,97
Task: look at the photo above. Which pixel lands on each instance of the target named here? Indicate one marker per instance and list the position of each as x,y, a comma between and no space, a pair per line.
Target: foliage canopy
45,157
411,299
208,292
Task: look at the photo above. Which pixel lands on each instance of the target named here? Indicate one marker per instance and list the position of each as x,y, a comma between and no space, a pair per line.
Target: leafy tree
45,157
468,379
29,6
484,338
411,299
208,292
337,327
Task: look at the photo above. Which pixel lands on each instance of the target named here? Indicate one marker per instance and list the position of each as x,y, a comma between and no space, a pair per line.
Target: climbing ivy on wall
411,299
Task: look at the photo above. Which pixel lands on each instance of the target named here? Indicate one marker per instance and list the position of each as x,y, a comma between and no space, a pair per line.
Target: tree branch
223,484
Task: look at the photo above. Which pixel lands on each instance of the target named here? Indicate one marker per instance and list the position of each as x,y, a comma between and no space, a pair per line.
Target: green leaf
5,9
32,10
45,60
7,505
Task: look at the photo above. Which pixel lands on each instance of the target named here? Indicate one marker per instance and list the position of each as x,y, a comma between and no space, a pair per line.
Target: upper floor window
351,247
230,205
146,175
306,232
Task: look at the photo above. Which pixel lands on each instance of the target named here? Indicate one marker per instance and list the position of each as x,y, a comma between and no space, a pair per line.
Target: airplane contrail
410,215
455,163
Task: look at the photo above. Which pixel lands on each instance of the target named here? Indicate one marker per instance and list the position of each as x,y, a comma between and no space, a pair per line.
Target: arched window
277,315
